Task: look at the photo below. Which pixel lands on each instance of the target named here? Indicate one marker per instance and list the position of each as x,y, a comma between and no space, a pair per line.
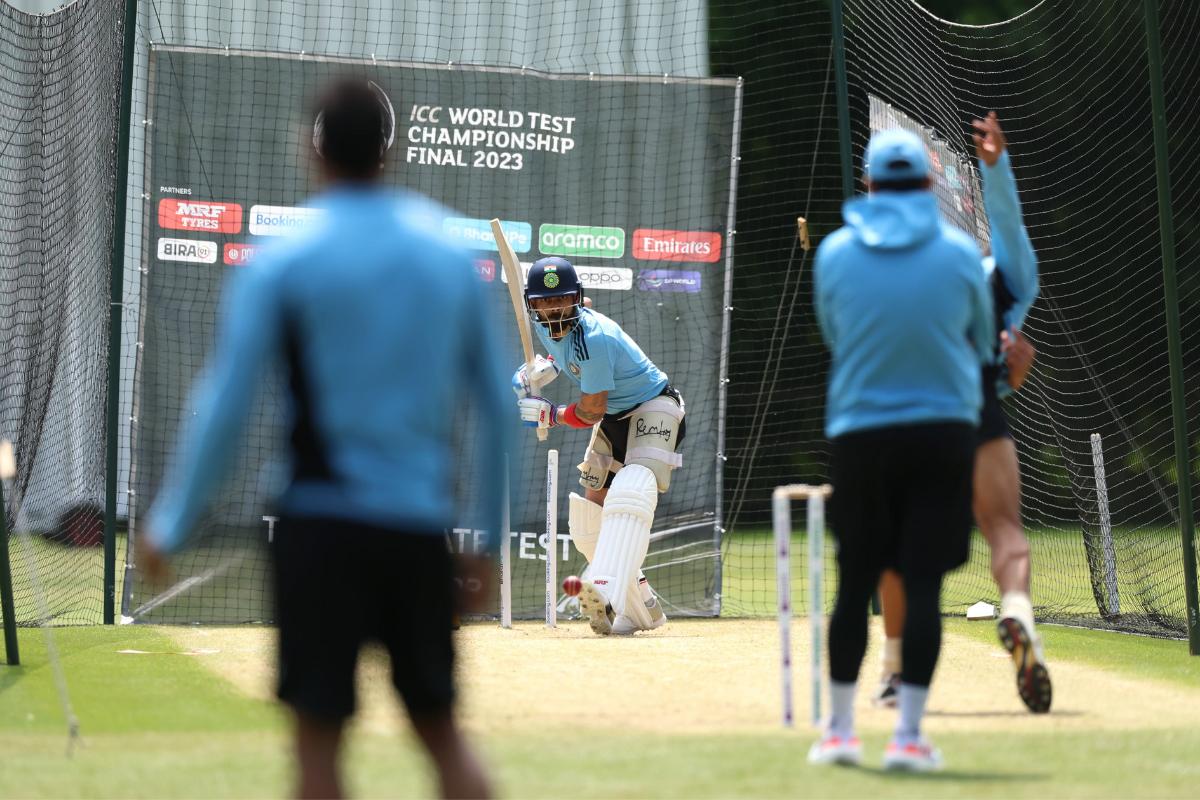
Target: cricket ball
572,585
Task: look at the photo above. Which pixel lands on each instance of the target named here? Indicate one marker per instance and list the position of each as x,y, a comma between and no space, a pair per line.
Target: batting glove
537,412
544,371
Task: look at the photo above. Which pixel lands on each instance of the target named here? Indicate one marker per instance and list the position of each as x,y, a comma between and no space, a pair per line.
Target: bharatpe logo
192,215
477,233
188,250
667,280
581,240
281,220
656,245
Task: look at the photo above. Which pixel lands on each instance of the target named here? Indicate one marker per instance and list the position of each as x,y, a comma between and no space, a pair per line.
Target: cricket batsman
637,422
1012,276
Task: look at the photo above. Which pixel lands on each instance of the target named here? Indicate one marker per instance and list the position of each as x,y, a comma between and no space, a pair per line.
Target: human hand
1019,354
989,139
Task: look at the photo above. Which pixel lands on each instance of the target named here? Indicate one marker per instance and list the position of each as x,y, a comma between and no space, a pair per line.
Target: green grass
1135,656
163,726
72,578
1149,573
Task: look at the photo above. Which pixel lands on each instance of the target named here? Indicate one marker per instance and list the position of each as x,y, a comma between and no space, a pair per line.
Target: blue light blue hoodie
905,310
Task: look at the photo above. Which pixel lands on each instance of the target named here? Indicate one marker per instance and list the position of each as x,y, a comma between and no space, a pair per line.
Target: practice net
631,176
1070,84
60,80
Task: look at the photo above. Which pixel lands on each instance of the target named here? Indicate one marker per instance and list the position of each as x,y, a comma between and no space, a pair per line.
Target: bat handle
543,433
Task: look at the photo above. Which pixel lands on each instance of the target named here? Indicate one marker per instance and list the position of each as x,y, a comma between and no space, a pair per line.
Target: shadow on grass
1012,714
950,775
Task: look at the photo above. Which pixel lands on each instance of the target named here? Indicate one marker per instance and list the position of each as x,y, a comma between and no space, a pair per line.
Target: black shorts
992,422
615,428
902,498
341,584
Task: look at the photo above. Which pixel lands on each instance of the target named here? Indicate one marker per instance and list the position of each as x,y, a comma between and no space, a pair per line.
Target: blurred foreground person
905,310
347,307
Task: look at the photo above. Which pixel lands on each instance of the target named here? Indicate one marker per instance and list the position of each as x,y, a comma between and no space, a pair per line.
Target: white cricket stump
551,538
506,556
781,518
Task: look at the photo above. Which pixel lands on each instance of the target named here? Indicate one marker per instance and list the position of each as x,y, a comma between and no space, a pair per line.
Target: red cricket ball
572,585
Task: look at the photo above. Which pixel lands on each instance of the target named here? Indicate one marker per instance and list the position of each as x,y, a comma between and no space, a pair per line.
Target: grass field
690,711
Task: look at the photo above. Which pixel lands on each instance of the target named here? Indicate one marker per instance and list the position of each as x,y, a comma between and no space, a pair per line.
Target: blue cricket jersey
905,310
1012,269
600,357
348,307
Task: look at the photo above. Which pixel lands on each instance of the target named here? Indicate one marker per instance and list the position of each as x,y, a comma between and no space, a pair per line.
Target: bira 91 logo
656,245
194,215
188,250
581,240
238,254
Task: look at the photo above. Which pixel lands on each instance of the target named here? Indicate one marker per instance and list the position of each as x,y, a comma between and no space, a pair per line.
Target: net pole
116,313
8,607
843,100
781,524
1174,347
1106,538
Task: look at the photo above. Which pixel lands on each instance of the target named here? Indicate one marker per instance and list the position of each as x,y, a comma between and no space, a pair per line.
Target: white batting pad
625,537
583,521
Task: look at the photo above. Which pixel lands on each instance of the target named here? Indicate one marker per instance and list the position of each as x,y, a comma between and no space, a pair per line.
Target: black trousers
901,500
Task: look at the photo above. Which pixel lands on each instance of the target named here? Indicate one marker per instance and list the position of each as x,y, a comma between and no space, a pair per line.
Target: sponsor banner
195,215
190,250
616,278
477,233
581,240
659,245
486,269
281,220
668,280
238,254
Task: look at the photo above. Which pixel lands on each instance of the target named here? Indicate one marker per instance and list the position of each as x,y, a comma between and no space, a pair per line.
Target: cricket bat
512,271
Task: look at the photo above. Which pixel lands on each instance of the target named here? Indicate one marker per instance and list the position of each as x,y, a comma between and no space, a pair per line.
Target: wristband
569,416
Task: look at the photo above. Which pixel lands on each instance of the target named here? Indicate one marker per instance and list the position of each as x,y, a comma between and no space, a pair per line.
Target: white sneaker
920,756
625,626
831,749
596,609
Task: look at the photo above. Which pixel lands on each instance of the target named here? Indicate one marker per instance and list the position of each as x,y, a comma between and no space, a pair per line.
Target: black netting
1070,83
59,88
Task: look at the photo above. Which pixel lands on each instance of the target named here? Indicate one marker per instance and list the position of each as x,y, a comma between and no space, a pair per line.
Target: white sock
644,587
912,709
841,698
1018,606
891,660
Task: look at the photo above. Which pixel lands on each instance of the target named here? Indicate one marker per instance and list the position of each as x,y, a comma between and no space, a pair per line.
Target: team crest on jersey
571,365
550,279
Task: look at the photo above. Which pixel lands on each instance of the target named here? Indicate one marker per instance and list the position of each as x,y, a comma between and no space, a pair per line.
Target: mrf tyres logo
202,216
659,245
189,250
581,240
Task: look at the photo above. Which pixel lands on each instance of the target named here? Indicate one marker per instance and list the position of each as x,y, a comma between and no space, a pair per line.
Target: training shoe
597,610
888,693
1033,679
918,756
624,625
831,749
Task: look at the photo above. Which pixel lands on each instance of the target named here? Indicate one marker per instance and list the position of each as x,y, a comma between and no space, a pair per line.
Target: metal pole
1106,537
1174,349
8,608
116,286
843,101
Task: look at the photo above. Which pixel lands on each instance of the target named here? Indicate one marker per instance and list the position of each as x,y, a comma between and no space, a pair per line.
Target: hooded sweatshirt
905,310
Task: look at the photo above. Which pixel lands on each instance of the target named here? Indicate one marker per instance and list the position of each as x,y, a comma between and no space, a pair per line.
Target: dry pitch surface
707,676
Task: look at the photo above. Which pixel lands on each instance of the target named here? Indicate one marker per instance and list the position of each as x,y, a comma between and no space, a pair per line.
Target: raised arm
1011,247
